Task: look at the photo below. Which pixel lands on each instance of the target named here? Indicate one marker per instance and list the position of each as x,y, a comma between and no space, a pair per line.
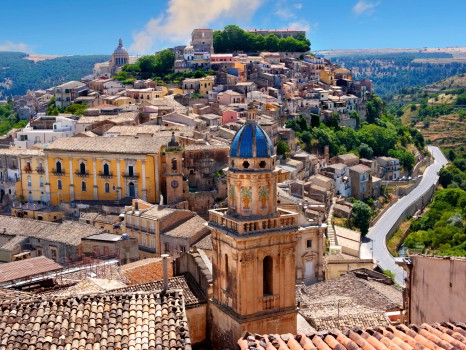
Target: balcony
58,173
40,170
285,220
82,174
131,176
106,175
27,169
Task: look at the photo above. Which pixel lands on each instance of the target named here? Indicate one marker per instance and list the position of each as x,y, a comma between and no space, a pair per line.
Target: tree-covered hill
17,74
392,72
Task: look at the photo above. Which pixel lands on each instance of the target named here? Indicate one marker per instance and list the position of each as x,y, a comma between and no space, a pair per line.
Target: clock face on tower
174,184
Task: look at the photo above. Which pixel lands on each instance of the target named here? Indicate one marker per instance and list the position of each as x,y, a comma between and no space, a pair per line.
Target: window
130,170
82,168
183,248
29,181
167,247
309,243
267,274
83,186
107,187
174,164
39,252
53,253
58,166
106,169
41,181
59,185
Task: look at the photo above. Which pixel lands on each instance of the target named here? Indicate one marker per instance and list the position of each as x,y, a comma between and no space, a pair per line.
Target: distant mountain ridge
393,70
19,74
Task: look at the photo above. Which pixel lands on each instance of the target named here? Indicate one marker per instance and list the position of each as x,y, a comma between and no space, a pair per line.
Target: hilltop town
203,199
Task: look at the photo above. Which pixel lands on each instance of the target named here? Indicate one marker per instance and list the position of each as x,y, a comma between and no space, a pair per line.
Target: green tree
283,149
365,151
271,43
380,139
360,216
374,109
76,109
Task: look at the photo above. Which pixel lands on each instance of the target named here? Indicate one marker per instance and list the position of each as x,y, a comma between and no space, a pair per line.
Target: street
377,234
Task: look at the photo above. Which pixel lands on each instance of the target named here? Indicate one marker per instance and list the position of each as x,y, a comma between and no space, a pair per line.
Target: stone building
120,57
202,40
254,243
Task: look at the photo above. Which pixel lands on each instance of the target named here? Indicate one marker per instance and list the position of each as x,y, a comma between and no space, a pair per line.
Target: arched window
106,169
107,187
59,185
82,168
41,181
174,164
83,186
29,181
58,166
267,272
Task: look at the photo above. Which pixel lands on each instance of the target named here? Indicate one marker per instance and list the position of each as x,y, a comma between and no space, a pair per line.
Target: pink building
228,97
229,116
221,57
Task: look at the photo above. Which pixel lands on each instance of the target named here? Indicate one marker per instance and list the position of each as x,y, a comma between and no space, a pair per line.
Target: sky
93,27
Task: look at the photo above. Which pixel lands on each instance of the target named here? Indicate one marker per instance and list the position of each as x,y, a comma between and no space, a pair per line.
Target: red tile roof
438,336
27,268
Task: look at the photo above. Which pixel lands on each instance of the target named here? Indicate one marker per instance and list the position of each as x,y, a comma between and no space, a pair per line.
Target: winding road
374,242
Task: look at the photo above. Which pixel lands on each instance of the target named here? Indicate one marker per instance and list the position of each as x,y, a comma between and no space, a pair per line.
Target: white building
28,136
66,93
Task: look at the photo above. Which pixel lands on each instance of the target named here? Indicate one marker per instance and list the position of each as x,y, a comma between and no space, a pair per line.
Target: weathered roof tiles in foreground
438,336
153,321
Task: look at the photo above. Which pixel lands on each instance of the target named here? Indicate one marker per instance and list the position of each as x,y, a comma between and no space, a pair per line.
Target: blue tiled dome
251,141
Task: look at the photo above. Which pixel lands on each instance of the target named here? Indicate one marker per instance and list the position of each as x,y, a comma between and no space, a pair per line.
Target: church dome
120,49
251,141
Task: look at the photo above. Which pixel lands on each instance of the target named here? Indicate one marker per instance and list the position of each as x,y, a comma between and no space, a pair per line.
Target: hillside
438,111
391,72
19,74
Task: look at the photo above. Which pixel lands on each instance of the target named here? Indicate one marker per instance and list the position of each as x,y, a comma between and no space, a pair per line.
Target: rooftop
153,320
26,268
121,144
191,291
189,228
68,232
360,168
446,335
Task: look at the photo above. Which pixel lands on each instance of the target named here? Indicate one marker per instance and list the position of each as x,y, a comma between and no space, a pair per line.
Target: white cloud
285,13
302,25
182,16
298,6
8,45
365,7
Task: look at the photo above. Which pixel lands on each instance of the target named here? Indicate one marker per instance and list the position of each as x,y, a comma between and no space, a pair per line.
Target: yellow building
205,85
103,168
31,187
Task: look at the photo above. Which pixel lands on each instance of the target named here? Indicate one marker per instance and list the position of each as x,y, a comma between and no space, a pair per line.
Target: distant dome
251,141
120,49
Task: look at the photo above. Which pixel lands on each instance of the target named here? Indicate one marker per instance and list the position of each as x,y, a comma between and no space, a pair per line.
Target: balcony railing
106,175
82,174
285,221
27,170
40,170
269,302
58,173
131,175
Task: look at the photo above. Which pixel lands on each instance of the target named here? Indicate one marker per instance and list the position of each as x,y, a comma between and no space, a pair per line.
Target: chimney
165,272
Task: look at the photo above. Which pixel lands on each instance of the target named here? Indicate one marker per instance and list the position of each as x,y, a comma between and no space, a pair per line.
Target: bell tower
173,173
254,243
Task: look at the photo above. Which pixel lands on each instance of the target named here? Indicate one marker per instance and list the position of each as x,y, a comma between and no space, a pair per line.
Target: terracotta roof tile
438,336
191,291
154,320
